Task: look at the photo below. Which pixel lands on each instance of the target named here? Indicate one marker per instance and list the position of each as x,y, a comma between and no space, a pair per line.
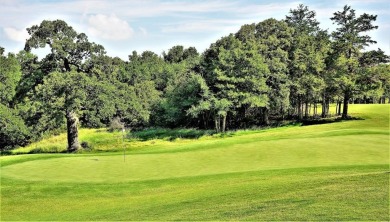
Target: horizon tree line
265,72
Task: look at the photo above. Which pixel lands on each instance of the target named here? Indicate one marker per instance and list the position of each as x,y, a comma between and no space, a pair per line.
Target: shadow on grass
169,134
52,149
318,121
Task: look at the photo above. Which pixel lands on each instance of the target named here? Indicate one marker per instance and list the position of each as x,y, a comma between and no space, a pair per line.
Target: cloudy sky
122,26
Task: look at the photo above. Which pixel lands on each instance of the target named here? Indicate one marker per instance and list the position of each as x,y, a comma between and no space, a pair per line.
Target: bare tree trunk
265,116
300,113
306,110
72,131
315,109
327,106
339,108
217,126
323,113
345,107
224,123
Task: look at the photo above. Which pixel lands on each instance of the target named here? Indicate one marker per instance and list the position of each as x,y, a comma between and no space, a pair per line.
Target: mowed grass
337,171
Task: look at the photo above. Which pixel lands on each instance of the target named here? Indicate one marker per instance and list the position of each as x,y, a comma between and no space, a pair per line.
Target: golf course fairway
337,171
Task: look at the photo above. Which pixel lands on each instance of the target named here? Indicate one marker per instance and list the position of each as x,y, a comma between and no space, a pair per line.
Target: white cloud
109,27
158,24
143,31
197,26
16,35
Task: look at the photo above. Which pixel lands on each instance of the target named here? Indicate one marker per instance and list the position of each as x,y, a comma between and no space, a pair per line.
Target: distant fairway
337,171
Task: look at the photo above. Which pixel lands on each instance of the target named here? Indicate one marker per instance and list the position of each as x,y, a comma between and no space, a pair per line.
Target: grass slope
336,171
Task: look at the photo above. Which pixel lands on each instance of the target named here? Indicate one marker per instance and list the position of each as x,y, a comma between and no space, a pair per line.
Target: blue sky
122,26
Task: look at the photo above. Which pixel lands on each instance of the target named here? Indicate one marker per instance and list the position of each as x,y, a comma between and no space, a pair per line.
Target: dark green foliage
178,54
175,54
373,57
349,39
13,131
190,53
180,95
273,40
145,67
65,89
9,77
237,74
68,47
373,84
307,54
33,72
270,71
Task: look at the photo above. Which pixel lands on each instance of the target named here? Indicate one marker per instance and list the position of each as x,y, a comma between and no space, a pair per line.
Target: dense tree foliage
307,59
266,72
237,79
13,130
9,77
69,51
349,40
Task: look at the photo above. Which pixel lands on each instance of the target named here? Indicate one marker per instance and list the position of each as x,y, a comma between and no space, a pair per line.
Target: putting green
258,155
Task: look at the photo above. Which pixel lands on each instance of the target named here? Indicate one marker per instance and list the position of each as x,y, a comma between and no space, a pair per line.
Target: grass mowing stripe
312,193
254,156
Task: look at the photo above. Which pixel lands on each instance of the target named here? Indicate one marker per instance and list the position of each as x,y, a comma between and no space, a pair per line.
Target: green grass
337,171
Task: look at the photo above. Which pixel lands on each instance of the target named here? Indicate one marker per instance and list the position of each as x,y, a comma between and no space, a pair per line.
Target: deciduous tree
70,51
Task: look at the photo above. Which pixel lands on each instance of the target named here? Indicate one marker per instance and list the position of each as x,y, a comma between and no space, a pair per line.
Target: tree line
266,71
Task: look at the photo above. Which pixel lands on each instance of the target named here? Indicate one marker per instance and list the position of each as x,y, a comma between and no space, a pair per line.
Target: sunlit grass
337,171
163,140
321,194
